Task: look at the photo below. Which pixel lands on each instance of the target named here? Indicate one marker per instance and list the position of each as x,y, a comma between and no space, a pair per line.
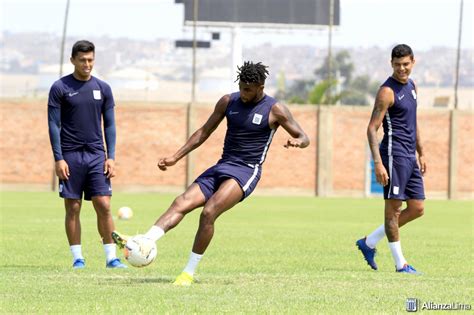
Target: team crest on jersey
96,94
257,119
414,94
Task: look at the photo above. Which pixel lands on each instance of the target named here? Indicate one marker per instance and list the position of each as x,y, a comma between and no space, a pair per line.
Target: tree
344,88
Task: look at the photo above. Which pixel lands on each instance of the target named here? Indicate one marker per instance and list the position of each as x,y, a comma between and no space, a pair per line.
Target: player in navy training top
396,164
252,119
76,105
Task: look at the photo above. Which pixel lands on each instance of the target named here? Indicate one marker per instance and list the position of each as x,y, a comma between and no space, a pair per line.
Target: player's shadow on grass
132,280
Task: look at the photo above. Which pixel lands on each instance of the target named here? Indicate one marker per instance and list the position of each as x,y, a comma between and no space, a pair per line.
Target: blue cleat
79,264
369,253
115,263
408,269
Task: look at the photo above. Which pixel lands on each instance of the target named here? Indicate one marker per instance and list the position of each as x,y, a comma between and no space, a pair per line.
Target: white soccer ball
125,213
140,251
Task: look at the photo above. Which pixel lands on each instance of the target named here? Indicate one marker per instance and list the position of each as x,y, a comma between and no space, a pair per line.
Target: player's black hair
82,46
402,50
252,72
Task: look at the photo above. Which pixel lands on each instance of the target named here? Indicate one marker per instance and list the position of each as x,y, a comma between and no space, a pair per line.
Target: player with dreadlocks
252,119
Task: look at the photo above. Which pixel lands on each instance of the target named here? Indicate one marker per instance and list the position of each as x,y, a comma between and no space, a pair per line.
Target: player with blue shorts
252,119
76,105
397,166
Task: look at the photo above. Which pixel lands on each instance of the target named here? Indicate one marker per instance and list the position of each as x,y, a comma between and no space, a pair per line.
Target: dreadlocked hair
252,72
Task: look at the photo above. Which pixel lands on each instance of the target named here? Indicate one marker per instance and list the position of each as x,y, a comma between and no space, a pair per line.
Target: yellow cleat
119,239
184,280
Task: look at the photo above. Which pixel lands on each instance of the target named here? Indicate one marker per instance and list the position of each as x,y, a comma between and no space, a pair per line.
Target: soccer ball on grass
125,213
140,251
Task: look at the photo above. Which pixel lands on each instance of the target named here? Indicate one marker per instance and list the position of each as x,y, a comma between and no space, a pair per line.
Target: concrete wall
333,165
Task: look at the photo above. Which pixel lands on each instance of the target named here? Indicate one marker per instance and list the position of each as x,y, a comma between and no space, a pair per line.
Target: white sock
192,263
375,237
396,249
76,251
155,233
109,250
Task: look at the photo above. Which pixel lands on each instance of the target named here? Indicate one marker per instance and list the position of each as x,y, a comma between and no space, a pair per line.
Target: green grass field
293,255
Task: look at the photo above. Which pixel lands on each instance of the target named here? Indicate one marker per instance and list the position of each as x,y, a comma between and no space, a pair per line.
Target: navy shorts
405,180
245,174
87,176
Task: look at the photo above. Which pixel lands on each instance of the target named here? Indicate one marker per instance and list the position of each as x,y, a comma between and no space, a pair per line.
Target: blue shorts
245,174
405,180
87,176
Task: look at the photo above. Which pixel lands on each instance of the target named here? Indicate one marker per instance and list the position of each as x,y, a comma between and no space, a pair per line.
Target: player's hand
421,160
163,163
381,174
62,169
109,168
293,143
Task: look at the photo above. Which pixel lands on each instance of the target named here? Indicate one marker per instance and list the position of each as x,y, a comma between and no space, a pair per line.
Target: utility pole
189,110
331,22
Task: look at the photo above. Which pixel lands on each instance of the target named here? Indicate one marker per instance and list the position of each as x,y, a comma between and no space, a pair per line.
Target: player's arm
280,115
110,140
199,136
383,101
419,146
54,128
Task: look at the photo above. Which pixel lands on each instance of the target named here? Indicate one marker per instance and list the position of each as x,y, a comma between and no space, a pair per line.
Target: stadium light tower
63,40
458,57
61,62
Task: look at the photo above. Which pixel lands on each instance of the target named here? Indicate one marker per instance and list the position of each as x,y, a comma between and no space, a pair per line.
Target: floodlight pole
458,57
61,61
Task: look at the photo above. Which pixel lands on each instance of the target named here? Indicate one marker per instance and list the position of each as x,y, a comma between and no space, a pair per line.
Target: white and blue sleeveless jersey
399,123
248,135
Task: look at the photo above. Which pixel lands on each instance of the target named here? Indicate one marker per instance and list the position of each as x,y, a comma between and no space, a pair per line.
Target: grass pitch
293,255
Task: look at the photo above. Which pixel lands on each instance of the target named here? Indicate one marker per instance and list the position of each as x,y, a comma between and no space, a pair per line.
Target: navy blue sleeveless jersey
248,134
399,123
82,104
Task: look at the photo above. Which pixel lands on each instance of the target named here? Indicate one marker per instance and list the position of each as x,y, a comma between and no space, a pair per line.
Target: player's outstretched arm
199,136
383,101
280,115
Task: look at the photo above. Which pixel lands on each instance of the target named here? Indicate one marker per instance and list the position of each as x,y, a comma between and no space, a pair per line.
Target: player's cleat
369,253
408,269
184,280
115,263
79,264
119,239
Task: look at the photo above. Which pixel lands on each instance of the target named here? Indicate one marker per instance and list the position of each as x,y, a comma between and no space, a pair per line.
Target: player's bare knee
180,204
418,211
207,216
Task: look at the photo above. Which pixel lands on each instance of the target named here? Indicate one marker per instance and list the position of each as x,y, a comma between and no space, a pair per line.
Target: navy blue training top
399,123
248,135
82,104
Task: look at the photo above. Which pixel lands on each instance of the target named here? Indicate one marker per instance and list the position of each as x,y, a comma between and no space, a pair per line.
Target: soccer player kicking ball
396,165
252,119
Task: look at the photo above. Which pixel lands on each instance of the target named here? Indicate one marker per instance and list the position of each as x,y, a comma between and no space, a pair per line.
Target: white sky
420,23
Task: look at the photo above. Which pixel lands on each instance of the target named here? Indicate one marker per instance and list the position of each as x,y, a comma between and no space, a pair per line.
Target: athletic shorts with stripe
405,180
87,176
246,175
